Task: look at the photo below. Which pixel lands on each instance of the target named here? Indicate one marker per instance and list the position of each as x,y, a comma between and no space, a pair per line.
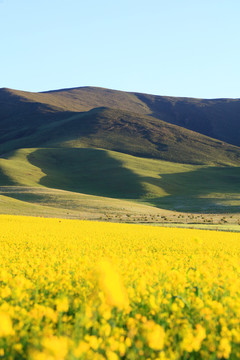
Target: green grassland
40,201
112,175
216,227
103,154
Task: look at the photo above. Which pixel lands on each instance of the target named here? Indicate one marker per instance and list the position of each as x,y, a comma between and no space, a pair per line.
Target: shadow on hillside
94,172
5,180
88,171
191,191
197,205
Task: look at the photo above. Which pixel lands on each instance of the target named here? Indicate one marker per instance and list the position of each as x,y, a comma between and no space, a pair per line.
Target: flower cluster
86,290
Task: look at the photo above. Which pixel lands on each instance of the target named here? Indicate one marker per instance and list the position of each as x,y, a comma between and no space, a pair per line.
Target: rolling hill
118,150
217,118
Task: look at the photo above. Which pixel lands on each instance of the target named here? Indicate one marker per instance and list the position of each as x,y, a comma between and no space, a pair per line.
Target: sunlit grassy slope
103,151
109,174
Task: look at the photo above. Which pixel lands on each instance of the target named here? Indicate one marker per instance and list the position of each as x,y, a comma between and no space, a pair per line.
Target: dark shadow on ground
94,172
5,180
189,191
88,171
196,205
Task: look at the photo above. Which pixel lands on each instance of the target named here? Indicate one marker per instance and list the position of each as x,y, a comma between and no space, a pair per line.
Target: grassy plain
96,183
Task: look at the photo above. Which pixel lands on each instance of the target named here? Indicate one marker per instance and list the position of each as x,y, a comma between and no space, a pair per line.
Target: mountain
137,124
104,145
217,118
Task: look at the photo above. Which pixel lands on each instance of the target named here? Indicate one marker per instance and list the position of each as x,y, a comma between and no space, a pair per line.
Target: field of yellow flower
85,290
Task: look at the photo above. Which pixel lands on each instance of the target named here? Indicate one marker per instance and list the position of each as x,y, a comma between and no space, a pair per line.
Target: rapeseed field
86,290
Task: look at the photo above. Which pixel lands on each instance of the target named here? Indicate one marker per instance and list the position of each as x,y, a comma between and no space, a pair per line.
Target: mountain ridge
217,118
124,132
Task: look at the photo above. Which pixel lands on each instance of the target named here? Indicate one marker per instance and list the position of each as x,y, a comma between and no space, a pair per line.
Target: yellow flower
112,286
224,349
18,347
56,346
93,342
82,347
39,355
5,325
53,263
111,355
128,342
6,292
122,349
62,304
199,337
155,335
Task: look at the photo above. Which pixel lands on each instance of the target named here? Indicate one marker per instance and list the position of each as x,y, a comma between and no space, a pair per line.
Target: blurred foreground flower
5,325
111,284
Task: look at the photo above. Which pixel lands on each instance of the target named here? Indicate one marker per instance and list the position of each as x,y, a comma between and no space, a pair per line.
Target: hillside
112,175
216,118
92,150
73,118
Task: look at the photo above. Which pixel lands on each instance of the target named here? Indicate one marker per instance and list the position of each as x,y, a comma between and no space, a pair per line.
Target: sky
163,47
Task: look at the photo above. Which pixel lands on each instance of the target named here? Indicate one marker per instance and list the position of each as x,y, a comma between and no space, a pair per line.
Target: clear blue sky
164,47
